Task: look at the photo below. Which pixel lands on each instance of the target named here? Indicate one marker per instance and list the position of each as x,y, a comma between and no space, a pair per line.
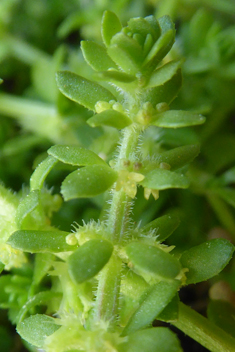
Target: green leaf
96,56
130,46
145,26
36,328
116,77
133,285
110,26
171,312
177,137
197,65
164,93
180,156
122,58
159,50
152,303
26,206
161,47
199,26
177,119
21,144
163,179
153,260
42,170
148,43
42,264
88,182
43,298
1,80
164,226
228,177
40,241
74,155
163,74
89,259
227,6
111,118
222,313
70,23
151,340
155,25
43,73
206,260
166,23
81,90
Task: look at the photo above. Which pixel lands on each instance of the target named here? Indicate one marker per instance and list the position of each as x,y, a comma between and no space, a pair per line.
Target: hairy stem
106,307
119,215
120,205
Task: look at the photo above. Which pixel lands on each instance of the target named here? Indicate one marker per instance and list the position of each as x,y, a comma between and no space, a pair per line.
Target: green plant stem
120,209
128,144
106,306
120,204
222,211
203,330
118,215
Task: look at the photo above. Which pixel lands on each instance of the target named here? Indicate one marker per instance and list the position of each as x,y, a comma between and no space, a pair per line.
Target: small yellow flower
10,257
128,182
144,115
149,191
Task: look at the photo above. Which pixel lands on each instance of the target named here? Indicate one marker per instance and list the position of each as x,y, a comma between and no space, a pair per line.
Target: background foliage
41,37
